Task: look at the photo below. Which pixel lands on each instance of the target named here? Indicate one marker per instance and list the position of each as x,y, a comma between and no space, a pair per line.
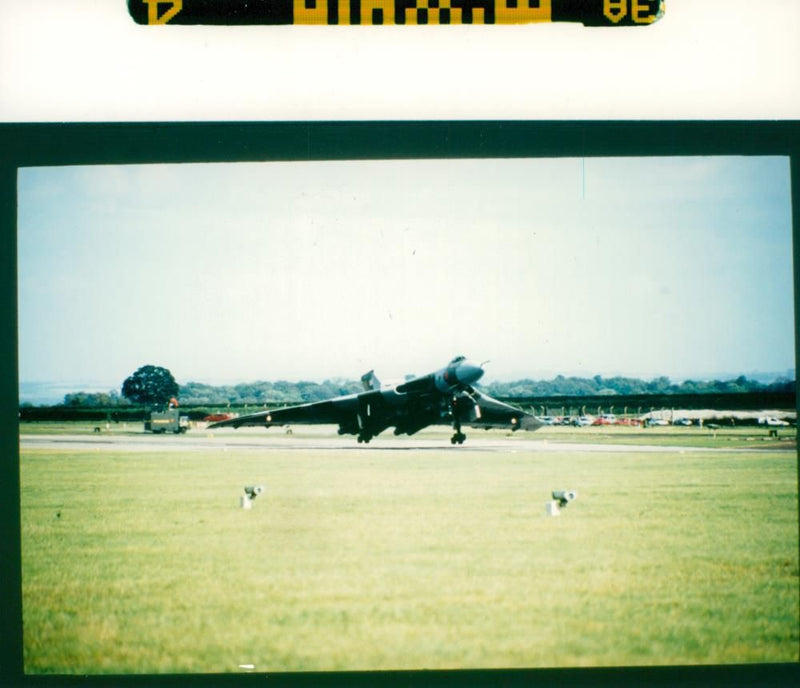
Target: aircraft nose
468,373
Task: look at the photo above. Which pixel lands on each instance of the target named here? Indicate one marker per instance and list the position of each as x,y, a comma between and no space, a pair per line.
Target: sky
312,270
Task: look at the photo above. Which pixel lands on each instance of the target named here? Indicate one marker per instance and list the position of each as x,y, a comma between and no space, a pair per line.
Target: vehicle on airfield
169,420
444,397
771,420
650,422
605,419
216,417
583,421
631,422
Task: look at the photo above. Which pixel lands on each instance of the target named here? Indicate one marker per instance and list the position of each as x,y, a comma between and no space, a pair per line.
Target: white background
86,60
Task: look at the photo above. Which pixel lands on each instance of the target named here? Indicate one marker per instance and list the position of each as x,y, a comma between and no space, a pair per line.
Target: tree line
282,392
629,386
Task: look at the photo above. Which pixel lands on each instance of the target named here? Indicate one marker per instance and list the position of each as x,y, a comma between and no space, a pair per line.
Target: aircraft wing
331,411
491,413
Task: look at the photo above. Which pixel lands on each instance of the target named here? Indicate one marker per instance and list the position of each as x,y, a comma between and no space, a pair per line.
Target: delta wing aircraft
445,397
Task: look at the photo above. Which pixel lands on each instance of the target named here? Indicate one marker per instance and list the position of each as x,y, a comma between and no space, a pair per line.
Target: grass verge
144,562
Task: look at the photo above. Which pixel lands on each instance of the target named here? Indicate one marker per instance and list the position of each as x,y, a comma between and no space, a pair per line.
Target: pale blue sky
230,272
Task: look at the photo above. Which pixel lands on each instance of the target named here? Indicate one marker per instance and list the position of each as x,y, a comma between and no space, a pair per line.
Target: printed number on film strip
324,12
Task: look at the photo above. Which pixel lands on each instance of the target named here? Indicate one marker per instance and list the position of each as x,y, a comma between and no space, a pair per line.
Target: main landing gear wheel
458,436
364,438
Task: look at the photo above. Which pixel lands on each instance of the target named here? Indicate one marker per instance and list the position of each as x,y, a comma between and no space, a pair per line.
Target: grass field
144,562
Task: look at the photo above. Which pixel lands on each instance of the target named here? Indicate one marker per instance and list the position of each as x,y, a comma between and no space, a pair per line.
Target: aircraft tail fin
370,381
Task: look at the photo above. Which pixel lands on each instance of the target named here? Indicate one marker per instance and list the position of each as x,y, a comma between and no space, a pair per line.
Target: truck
167,421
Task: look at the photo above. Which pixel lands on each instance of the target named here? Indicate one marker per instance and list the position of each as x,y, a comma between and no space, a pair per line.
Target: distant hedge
116,414
744,401
644,403
71,413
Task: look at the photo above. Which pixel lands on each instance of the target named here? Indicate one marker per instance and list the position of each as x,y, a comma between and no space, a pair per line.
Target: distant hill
52,393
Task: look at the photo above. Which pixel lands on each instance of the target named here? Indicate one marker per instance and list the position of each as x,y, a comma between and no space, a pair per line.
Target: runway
325,439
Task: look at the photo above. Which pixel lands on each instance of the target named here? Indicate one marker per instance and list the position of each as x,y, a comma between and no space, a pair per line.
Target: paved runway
323,439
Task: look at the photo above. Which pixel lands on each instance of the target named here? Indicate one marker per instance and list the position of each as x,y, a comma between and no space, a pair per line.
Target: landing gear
458,436
364,437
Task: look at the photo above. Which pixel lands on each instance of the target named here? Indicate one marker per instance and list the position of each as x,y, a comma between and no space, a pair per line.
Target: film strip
377,12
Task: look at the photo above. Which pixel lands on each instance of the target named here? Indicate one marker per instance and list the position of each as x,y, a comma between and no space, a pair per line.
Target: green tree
659,385
150,386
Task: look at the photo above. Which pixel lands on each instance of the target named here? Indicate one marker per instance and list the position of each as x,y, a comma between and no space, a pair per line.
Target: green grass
726,437
68,427
144,562
753,437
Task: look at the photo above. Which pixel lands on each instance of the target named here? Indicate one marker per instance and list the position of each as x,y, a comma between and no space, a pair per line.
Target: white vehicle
771,420
655,421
